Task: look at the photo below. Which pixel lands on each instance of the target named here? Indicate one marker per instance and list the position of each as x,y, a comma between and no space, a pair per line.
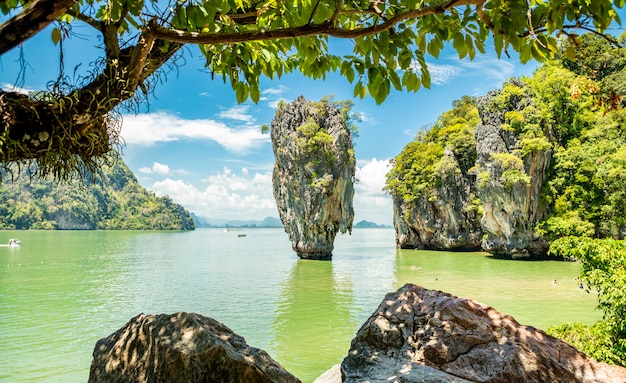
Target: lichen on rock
313,177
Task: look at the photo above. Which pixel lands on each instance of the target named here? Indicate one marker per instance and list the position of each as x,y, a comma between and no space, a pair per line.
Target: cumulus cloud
157,168
238,112
148,129
226,195
248,195
370,202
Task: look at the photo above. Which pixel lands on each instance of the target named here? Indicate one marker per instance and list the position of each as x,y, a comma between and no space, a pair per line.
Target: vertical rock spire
313,177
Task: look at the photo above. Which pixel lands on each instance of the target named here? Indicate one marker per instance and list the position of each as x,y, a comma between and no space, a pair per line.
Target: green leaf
255,93
56,35
570,53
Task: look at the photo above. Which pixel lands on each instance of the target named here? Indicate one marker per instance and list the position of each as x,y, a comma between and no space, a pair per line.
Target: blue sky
195,143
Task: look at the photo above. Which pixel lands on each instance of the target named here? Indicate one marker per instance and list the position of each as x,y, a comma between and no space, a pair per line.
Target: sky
195,143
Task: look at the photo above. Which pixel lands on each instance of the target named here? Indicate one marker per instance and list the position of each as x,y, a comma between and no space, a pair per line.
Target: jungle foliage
418,169
603,271
69,126
112,200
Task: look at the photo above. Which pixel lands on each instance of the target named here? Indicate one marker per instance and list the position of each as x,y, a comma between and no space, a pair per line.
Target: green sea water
61,291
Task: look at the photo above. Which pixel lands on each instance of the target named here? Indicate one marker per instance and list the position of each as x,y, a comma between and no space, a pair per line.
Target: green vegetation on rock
418,169
112,200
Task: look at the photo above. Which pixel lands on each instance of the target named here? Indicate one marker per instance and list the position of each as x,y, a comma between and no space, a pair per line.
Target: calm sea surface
63,290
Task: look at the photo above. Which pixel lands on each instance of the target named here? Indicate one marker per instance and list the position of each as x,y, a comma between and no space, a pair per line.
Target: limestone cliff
491,202
313,177
509,184
448,221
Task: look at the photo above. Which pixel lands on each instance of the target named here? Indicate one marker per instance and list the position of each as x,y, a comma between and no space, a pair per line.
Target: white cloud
443,74
148,129
493,70
226,196
248,195
273,96
277,91
238,112
370,202
12,88
274,104
157,168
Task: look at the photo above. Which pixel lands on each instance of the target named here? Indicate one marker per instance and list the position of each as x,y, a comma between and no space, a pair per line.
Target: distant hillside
114,201
267,222
368,225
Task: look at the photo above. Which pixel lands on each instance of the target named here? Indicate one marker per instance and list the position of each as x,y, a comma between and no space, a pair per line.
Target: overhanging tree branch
36,16
327,28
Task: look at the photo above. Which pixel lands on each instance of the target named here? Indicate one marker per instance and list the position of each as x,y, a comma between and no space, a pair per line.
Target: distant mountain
368,225
267,222
112,200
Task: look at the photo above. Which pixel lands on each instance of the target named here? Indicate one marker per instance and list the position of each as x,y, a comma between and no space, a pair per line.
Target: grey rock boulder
420,335
182,347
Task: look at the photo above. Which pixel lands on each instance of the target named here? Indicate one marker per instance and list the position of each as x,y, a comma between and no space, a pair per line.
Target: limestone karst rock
313,178
444,223
511,205
182,347
494,203
420,335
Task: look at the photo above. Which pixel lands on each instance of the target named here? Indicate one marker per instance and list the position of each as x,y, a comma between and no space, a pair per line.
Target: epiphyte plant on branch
72,126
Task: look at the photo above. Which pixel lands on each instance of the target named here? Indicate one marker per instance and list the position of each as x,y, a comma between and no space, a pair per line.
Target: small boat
241,235
14,242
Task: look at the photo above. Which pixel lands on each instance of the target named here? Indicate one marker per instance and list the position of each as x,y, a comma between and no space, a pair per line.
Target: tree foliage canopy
603,270
69,125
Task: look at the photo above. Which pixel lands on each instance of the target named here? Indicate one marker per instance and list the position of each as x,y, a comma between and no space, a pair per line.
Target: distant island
268,222
369,225
112,200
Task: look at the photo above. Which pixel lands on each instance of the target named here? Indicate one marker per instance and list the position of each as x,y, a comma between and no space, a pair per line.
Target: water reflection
313,322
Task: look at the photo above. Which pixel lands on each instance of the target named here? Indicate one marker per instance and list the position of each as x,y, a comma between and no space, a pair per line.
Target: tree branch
35,16
84,18
326,28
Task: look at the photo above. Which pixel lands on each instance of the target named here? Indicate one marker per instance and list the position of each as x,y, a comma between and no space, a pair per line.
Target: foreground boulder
420,335
181,347
313,178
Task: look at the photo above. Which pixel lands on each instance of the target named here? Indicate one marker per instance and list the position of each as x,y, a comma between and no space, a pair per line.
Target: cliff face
313,178
448,221
493,205
508,186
